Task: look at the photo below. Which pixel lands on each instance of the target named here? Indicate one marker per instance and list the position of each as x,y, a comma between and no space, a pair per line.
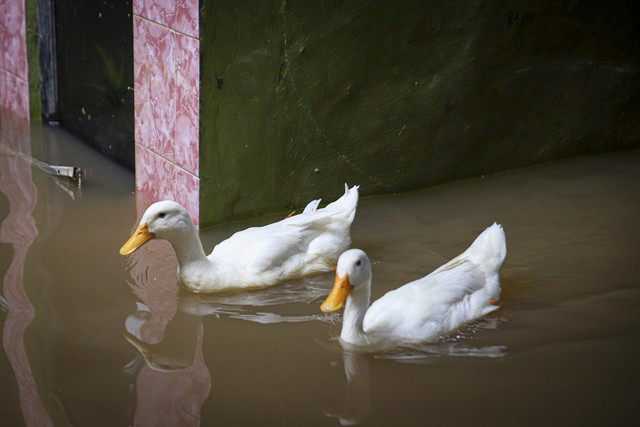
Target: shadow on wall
400,96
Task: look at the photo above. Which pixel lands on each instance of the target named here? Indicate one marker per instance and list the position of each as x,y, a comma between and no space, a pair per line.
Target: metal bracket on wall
71,176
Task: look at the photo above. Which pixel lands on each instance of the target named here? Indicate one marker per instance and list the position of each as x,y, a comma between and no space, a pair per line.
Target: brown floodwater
91,338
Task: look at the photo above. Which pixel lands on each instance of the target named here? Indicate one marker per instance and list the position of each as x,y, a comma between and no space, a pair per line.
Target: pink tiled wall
14,87
166,55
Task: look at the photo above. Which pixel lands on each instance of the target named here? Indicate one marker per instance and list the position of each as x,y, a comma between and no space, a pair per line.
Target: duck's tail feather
489,249
348,202
312,206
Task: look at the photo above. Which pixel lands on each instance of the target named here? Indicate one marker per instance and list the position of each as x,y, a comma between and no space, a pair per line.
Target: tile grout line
167,160
14,75
167,27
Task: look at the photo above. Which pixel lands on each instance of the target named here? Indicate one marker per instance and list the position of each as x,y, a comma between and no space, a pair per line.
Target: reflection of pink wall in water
19,230
173,399
167,91
14,89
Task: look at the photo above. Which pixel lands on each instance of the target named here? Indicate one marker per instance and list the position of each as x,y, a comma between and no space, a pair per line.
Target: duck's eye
359,263
161,215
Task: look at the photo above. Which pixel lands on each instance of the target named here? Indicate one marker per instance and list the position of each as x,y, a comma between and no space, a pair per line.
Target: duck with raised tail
461,290
257,257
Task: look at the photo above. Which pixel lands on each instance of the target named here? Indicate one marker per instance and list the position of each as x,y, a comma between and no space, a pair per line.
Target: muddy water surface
91,338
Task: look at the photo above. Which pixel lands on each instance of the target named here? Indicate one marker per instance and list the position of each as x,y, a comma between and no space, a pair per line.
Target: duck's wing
281,245
461,290
431,306
300,244
258,248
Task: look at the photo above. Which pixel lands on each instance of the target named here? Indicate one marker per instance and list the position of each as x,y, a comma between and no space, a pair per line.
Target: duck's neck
354,311
188,248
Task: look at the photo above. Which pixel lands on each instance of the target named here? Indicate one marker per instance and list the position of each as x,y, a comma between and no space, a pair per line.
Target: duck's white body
257,257
461,290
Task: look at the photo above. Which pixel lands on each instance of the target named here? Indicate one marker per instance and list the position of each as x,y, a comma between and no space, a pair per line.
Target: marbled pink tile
14,94
186,146
142,104
181,15
139,8
167,90
154,52
143,201
187,105
142,54
15,132
188,193
158,179
162,94
187,17
143,122
161,11
155,176
13,45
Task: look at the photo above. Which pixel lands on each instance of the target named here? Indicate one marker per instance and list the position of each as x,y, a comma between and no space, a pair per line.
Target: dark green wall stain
33,54
298,97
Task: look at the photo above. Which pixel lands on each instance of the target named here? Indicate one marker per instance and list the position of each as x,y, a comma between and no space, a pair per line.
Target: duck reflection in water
181,341
356,406
172,380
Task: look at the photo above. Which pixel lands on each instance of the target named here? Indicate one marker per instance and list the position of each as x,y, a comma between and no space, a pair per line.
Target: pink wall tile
155,176
15,131
160,11
167,100
14,89
188,193
188,102
181,15
160,179
13,46
187,17
142,103
14,94
154,74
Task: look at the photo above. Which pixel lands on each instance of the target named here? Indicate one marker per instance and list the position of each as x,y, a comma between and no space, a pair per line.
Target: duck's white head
353,276
162,220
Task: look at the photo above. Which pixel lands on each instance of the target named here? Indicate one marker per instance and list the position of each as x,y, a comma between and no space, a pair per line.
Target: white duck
461,290
257,257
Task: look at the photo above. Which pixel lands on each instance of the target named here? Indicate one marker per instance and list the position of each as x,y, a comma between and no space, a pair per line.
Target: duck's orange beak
338,296
139,238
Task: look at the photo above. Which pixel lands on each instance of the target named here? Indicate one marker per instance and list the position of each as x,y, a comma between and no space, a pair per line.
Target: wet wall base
299,97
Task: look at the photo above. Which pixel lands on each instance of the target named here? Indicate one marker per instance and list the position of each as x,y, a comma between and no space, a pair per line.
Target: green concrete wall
33,53
298,97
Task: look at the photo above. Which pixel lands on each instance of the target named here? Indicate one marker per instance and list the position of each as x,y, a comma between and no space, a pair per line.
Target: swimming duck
257,257
461,290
